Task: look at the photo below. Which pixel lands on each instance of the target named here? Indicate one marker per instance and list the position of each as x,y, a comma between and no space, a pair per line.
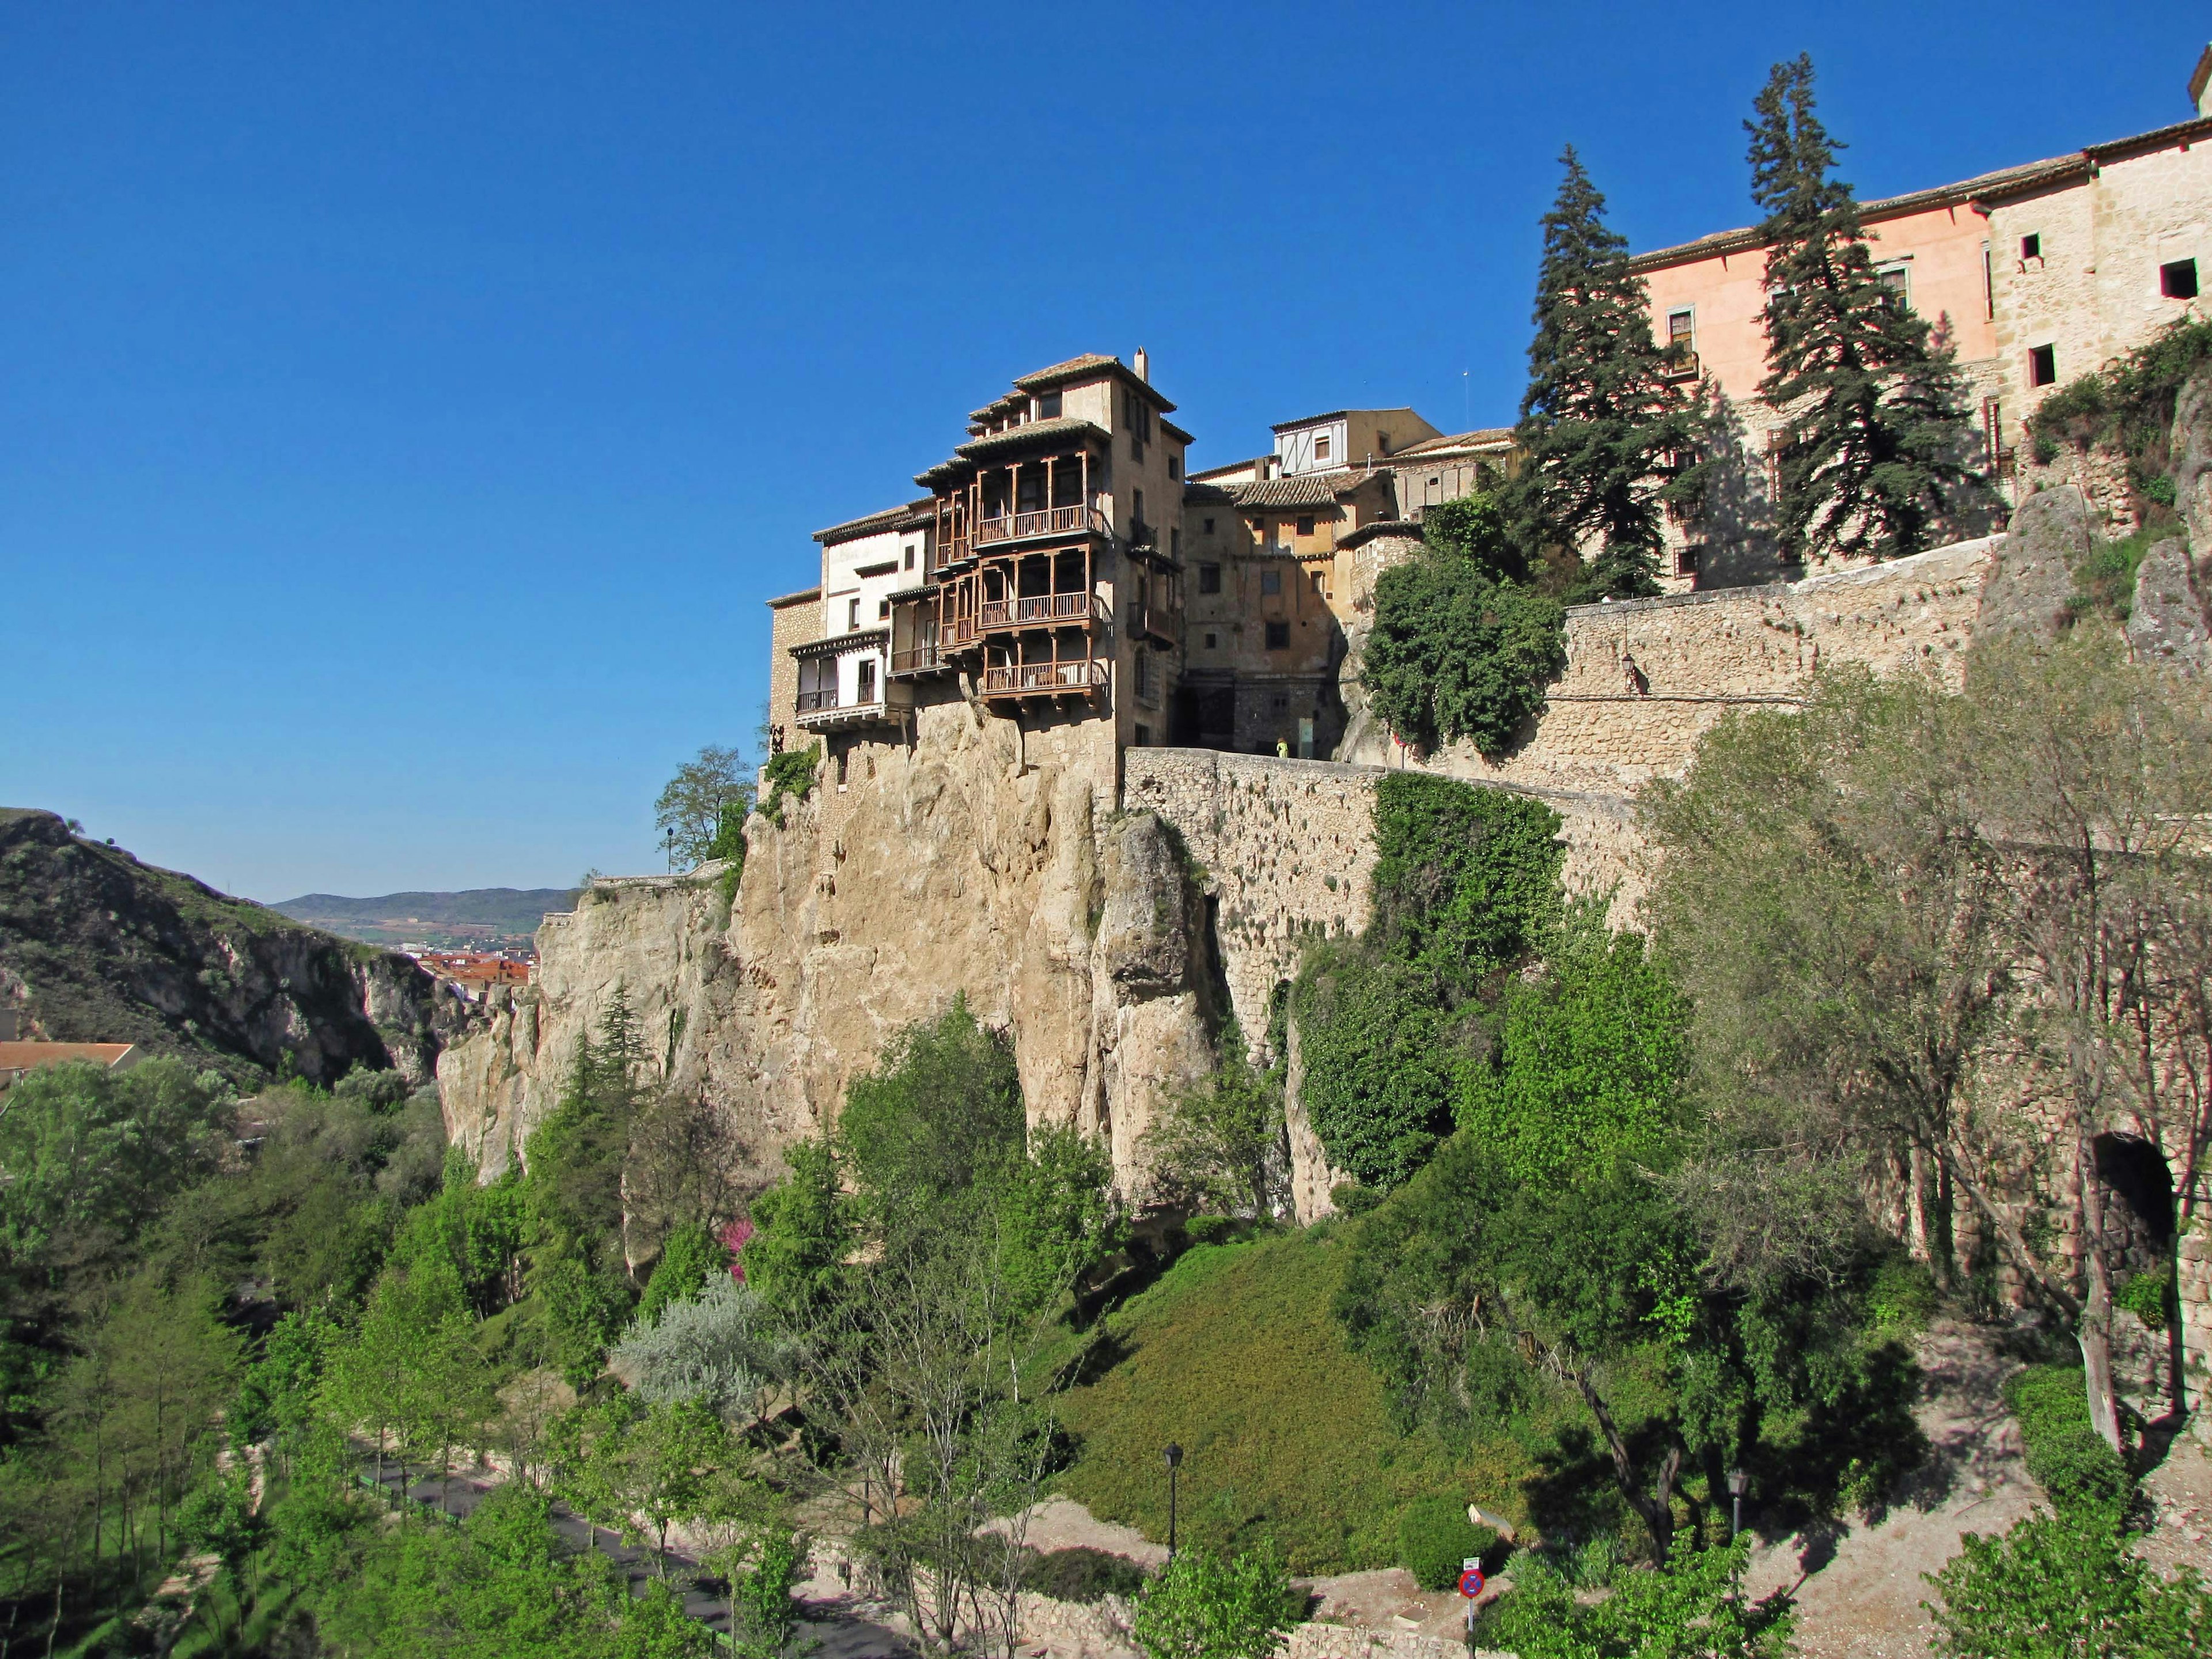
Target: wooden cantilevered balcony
1038,610
1041,521
1076,676
819,711
1151,620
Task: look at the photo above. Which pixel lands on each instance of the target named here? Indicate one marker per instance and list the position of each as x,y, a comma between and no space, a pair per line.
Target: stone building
2035,274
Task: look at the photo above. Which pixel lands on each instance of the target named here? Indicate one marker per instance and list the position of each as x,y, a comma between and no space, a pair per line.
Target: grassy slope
509,909
1285,1432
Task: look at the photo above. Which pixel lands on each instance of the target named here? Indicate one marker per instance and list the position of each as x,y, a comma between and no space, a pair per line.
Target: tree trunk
1916,1206
2093,1331
2008,1238
1657,1507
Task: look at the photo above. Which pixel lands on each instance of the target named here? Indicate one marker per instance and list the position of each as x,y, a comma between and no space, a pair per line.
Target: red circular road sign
1470,1582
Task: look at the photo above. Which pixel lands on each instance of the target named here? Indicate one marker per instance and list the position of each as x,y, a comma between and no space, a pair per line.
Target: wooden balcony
1043,521
917,660
1044,679
1038,610
820,710
1157,622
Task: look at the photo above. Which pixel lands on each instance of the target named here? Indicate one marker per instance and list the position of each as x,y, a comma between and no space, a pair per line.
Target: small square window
1209,526
2178,281
1212,641
2031,248
1323,446
1174,467
1686,560
1271,583
1305,526
1144,736
1048,406
909,558
882,608
1209,579
852,615
1281,703
1278,636
2043,365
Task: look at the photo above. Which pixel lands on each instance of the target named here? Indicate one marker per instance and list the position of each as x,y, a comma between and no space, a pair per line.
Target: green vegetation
1289,1436
2078,1472
790,777
2104,582
1875,455
1218,1147
701,810
2061,1585
1598,422
1204,1607
2127,406
1459,651
1687,1609
1436,1540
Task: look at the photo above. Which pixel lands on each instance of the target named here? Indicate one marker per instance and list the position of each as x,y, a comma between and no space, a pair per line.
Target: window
868,681
1686,560
882,608
1209,526
1682,329
1209,579
1048,406
910,556
1174,544
1323,446
2178,280
2043,365
1897,280
1382,441
2031,248
1137,506
1271,583
1144,736
1174,466
1212,641
1278,636
1305,525
1281,703
1988,284
852,616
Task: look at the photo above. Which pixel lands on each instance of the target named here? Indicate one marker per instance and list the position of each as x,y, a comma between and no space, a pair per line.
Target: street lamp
1737,1480
1174,1462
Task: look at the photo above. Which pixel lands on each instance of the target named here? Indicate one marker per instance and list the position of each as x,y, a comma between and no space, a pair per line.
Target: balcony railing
1678,363
1161,621
1016,679
1044,521
820,708
813,703
1038,610
920,659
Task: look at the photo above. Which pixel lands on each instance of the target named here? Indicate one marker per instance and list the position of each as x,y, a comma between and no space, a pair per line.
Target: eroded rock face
2166,623
2189,456
2033,577
981,861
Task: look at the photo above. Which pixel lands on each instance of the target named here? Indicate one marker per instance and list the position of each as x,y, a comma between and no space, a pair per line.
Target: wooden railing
1044,676
917,660
814,702
1160,621
1044,521
1037,610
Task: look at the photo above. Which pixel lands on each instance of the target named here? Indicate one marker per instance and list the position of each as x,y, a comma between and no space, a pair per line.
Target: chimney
2200,81
1145,364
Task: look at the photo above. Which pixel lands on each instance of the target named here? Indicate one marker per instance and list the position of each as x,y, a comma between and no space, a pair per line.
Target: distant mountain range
486,915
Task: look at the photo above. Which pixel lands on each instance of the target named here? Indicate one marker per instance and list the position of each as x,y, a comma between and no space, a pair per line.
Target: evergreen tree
1873,449
1597,421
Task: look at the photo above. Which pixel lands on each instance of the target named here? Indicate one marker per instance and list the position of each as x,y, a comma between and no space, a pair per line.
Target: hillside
482,916
95,947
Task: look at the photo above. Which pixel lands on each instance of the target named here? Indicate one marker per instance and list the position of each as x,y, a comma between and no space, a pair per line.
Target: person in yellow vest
1282,749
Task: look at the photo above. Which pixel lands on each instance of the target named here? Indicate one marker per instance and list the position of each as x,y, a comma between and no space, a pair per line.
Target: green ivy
2127,406
790,773
1467,879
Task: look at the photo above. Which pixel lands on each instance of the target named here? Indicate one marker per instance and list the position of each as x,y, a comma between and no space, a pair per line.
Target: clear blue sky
405,408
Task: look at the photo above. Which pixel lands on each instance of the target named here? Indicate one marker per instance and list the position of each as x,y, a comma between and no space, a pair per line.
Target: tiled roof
837,644
1484,438
1032,432
1339,414
1367,532
1090,364
2004,181
1197,490
1308,489
799,598
892,518
1202,476
28,1056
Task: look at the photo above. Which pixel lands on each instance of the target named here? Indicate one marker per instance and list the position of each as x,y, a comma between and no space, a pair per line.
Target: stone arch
2137,1192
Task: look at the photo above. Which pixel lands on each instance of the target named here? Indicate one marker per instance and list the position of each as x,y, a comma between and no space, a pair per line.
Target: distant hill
491,915
96,947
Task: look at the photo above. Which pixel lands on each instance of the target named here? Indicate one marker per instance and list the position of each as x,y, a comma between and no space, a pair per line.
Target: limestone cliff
979,860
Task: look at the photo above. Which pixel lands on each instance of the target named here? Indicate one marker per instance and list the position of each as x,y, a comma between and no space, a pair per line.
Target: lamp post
1737,1480
1174,1462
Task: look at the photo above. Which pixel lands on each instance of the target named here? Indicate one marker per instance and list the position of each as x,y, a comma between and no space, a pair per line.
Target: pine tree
1597,421
1874,444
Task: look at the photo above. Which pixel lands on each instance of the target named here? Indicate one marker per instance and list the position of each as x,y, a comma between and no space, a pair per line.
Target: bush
1689,1607
1381,1073
1455,654
1082,1574
2061,1585
2145,1295
1435,1540
2068,1458
1208,1607
790,773
2128,405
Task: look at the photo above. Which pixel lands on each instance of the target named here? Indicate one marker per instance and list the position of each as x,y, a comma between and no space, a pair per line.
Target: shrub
2105,580
1466,881
1435,1540
1082,1574
1380,1072
2145,1295
1456,653
2068,1458
790,773
1208,1607
1688,1606
2062,1585
2128,405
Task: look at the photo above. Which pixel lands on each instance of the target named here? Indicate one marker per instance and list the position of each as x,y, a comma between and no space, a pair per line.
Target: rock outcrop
96,947
2032,579
980,860
2167,620
2189,456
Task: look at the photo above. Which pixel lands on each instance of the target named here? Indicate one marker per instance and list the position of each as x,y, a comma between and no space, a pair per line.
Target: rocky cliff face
982,861
96,947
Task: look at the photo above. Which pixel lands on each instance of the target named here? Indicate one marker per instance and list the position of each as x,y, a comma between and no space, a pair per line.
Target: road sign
1470,1580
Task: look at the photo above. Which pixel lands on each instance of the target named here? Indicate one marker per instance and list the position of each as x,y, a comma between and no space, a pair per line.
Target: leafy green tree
1456,652
2059,1587
709,793
1201,1606
1875,441
691,1257
804,1230
763,1616
1054,1219
219,1518
1218,1146
1688,1609
940,1118
1382,1068
1477,530
1597,421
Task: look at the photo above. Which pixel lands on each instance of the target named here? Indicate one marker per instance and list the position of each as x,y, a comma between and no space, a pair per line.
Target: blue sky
405,408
